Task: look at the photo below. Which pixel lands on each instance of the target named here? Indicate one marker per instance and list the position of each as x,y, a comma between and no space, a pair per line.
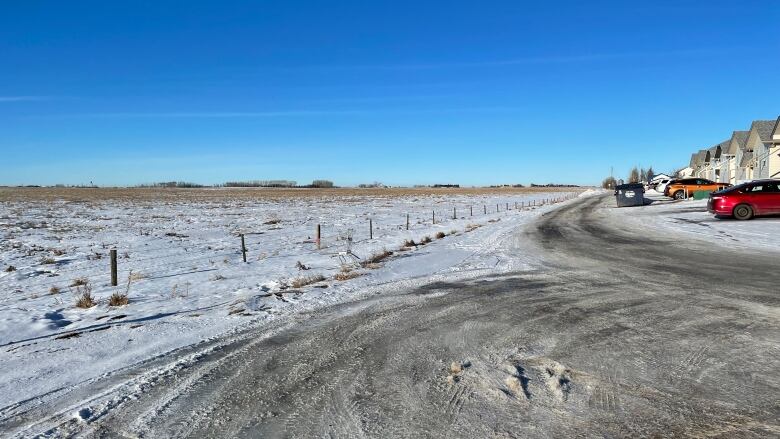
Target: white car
662,185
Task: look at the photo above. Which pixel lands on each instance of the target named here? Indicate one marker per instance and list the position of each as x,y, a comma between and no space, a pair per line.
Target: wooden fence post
507,206
434,217
113,267
471,210
484,208
407,221
454,214
243,247
319,243
370,228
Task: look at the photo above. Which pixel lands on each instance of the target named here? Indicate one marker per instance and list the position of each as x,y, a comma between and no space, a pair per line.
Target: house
658,177
731,156
698,163
774,151
711,169
759,142
685,172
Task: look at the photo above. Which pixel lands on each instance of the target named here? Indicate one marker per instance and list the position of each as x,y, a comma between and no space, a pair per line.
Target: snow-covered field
690,219
180,264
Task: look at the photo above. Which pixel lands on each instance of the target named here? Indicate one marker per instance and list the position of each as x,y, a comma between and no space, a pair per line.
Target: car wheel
679,195
743,212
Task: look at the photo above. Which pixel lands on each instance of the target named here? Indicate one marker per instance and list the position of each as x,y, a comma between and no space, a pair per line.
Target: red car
744,201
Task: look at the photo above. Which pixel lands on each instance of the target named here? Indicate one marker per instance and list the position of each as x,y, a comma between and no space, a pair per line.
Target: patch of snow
181,265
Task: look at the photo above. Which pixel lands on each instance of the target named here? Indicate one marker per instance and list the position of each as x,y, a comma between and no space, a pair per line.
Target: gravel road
613,334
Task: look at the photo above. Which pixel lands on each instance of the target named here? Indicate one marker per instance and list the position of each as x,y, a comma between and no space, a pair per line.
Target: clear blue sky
401,92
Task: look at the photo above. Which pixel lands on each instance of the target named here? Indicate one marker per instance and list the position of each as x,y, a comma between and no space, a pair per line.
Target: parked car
687,186
747,200
662,184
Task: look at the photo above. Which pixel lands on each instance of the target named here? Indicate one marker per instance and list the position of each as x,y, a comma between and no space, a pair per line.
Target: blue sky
402,92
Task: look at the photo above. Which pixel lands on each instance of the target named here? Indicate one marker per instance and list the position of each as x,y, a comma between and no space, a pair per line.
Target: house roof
700,156
776,128
737,141
692,163
763,128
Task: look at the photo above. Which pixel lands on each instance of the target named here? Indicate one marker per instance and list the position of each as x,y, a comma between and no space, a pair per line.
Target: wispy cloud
23,98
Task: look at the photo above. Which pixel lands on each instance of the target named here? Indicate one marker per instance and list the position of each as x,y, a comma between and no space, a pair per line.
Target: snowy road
611,334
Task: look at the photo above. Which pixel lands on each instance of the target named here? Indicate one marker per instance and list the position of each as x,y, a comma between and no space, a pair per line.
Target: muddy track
613,335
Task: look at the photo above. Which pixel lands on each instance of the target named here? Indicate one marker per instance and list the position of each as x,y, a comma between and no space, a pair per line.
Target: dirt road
614,334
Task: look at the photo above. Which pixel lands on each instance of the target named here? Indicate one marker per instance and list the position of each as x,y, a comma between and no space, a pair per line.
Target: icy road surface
611,333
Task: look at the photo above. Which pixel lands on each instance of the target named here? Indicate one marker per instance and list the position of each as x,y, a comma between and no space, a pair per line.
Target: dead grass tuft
440,235
48,261
80,281
347,275
376,258
10,268
426,240
307,280
118,299
84,297
410,243
54,290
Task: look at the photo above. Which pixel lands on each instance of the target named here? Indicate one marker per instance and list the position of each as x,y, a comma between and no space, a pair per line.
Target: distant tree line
173,184
554,185
262,183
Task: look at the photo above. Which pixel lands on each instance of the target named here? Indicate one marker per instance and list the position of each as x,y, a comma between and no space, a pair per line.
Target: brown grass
306,280
426,240
118,299
84,298
440,235
217,194
54,290
410,243
48,261
376,258
347,275
80,281
10,268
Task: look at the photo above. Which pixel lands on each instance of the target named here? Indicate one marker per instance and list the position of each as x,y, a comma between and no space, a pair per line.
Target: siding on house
773,151
736,144
759,141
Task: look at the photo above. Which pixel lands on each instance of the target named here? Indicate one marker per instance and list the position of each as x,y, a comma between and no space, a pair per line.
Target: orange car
685,187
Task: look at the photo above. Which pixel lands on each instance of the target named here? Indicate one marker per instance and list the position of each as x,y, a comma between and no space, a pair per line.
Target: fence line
242,247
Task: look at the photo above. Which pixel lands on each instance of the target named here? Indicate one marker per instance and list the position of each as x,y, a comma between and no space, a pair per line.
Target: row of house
747,155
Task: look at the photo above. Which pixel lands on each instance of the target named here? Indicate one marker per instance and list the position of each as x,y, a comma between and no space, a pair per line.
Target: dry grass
132,277
118,299
10,268
410,243
426,240
80,281
54,290
440,235
58,252
347,275
302,281
472,227
84,297
216,194
48,261
376,258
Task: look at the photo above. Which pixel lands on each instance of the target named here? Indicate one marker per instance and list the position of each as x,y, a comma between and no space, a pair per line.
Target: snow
181,263
689,219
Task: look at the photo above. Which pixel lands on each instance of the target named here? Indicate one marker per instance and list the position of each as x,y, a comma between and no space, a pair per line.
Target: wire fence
182,255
